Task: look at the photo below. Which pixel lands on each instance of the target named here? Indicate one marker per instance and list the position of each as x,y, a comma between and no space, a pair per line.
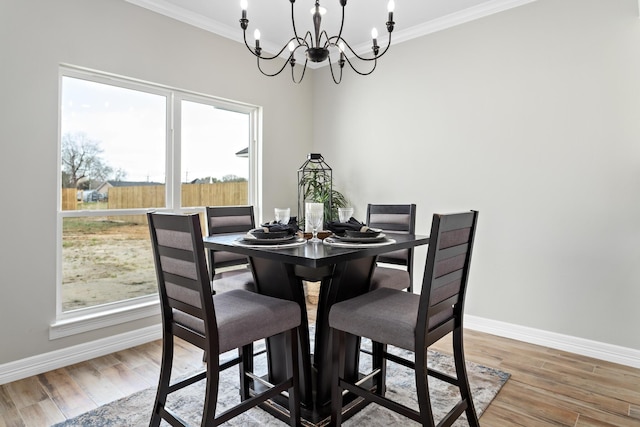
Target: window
126,148
214,151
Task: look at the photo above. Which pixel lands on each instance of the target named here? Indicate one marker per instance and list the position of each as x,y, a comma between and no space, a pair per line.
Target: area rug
135,410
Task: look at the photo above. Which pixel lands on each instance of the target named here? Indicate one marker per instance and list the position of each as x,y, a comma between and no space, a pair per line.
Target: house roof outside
108,184
132,183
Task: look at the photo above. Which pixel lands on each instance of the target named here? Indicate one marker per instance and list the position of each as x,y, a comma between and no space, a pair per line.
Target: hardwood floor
547,387
554,388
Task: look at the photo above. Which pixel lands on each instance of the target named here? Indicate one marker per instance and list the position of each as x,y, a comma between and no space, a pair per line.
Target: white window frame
91,318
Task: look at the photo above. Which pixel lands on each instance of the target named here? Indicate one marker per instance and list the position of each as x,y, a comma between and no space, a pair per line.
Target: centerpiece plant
315,184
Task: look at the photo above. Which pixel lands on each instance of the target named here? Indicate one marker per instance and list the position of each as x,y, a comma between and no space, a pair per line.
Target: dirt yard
105,261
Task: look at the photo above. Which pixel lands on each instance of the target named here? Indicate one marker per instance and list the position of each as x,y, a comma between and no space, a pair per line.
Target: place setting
350,233
279,233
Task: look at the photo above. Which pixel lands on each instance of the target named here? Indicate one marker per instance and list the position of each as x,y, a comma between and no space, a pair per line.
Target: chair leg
246,365
294,390
463,380
337,372
422,388
164,380
379,362
211,392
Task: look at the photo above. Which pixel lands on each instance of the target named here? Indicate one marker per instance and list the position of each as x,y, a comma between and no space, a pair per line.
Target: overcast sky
130,126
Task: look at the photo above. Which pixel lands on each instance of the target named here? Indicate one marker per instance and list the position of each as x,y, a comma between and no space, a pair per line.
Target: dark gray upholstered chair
222,220
412,322
214,323
393,219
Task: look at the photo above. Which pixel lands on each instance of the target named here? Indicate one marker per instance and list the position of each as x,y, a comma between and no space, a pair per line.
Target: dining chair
412,322
393,219
215,323
222,220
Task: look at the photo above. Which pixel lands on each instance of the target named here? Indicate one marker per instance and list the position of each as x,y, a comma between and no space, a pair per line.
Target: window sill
80,323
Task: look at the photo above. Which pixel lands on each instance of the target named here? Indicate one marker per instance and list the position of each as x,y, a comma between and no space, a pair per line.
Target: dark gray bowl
369,233
261,234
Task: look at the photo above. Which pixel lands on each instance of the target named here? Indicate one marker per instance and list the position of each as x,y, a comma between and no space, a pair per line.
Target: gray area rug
135,410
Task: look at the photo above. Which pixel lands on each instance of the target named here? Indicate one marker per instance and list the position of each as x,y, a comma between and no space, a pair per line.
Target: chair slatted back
224,220
445,276
182,274
395,219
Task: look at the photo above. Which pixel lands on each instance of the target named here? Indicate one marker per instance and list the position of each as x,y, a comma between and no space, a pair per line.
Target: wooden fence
69,199
153,196
217,194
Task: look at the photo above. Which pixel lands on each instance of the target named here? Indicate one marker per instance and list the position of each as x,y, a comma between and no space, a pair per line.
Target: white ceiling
413,18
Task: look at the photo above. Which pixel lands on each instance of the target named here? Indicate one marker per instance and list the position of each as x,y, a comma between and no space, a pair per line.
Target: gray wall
530,116
120,38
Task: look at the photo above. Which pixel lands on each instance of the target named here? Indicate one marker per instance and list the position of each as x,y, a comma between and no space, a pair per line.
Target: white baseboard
598,350
35,365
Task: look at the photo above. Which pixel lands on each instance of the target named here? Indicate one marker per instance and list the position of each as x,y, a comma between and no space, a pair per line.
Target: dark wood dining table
344,272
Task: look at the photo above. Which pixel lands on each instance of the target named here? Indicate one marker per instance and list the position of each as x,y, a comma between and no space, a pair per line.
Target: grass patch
93,225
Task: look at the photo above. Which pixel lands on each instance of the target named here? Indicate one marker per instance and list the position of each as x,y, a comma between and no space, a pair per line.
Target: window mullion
173,149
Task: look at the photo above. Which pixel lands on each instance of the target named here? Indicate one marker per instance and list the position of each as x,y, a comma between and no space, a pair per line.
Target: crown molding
458,18
188,17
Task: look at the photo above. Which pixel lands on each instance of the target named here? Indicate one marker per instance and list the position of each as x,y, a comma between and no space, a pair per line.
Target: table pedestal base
340,282
316,417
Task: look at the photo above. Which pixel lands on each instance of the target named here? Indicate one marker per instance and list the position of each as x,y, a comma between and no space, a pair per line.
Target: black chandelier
317,49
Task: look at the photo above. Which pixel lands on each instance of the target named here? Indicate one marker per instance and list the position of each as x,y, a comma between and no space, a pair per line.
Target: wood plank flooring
547,387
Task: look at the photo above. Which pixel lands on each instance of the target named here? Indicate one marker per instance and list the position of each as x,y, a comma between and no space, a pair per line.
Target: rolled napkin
353,225
275,227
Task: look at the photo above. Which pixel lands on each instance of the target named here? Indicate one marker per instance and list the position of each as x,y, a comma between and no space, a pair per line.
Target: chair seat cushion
241,318
385,315
233,279
394,278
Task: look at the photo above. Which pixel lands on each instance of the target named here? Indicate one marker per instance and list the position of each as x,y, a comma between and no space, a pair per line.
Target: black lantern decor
315,184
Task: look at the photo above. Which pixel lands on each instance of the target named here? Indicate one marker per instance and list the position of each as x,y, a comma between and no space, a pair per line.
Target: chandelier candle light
318,49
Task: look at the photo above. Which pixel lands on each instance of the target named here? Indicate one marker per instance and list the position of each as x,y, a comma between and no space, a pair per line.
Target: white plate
251,239
332,241
379,238
269,244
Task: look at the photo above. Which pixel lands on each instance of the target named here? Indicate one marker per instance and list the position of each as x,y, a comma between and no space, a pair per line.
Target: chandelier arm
307,35
362,58
268,58
341,26
326,36
301,41
386,48
332,43
293,21
277,55
304,69
332,74
244,34
348,46
375,64
277,72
